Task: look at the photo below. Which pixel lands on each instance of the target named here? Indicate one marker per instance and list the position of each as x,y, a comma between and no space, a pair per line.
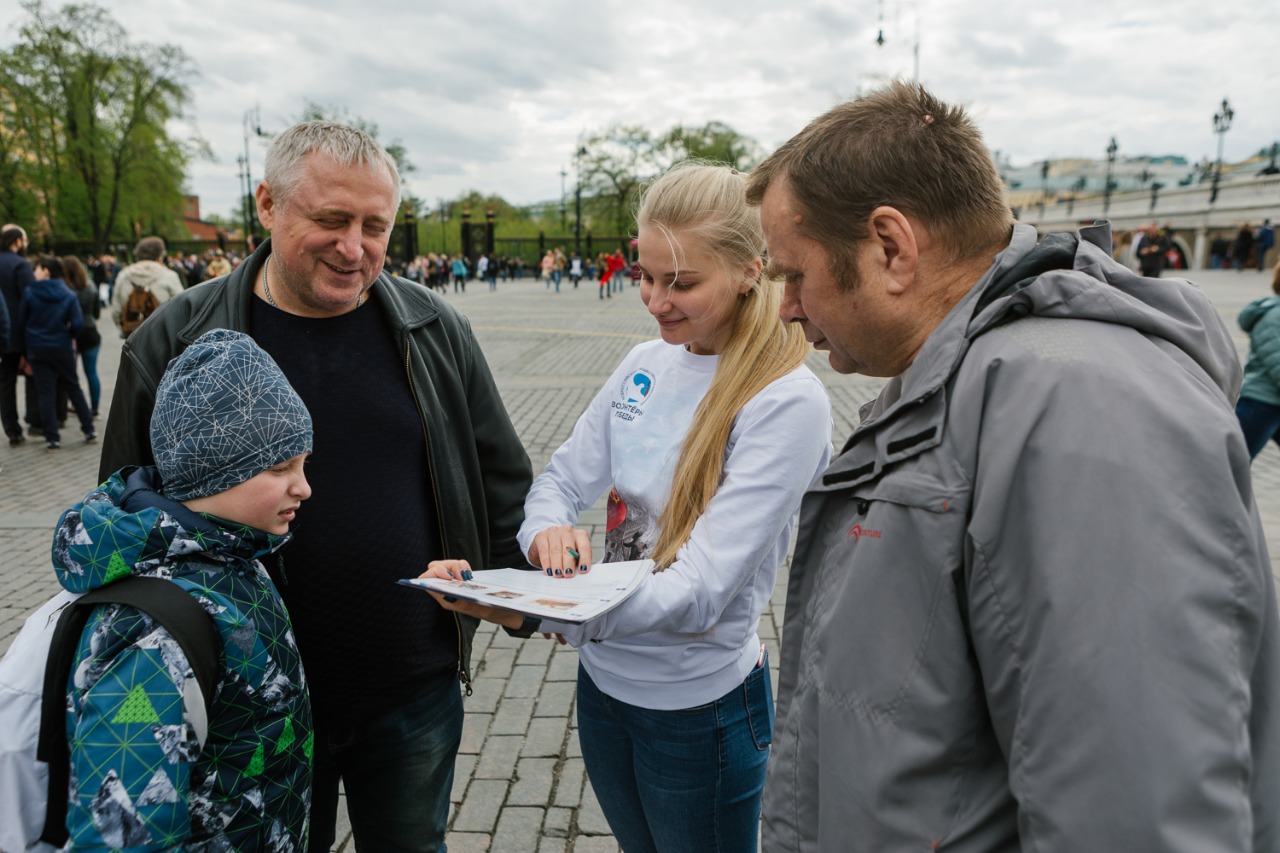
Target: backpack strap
172,607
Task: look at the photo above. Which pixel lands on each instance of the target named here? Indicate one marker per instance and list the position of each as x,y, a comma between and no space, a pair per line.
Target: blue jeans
1260,423
397,771
687,780
89,361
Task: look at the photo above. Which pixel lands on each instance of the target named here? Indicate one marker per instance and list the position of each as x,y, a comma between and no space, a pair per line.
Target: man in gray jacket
1031,605
415,460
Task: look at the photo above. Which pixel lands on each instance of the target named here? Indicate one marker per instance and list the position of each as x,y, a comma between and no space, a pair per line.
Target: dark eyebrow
773,269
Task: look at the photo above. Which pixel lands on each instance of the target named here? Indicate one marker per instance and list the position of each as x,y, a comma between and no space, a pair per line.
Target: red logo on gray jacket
858,532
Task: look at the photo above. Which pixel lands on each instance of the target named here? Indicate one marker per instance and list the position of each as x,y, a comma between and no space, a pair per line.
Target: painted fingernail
548,572
450,599
466,574
559,573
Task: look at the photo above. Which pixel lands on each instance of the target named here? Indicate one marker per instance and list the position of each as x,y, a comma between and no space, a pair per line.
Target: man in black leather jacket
415,459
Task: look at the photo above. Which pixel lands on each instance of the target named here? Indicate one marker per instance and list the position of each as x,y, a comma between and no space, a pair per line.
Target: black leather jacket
479,469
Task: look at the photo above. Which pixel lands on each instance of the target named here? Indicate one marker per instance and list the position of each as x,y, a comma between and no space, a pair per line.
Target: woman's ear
751,276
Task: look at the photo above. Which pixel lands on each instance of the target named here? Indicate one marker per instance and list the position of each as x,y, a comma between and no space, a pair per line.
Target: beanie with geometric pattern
224,413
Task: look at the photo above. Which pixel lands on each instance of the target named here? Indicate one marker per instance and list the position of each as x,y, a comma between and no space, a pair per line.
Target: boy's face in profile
267,501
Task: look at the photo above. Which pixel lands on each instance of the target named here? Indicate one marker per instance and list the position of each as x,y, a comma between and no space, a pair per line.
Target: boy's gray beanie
224,413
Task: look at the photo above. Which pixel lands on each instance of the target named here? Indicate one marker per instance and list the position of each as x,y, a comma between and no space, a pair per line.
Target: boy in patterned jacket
230,438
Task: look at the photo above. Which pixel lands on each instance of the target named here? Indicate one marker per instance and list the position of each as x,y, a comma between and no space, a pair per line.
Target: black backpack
164,601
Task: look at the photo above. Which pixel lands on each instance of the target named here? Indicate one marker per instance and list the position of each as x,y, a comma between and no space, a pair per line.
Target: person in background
1153,251
49,319
1031,606
148,273
1242,246
15,277
705,441
89,340
1258,407
1263,240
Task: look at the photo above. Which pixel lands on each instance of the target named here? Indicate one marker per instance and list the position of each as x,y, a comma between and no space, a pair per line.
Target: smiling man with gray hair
415,460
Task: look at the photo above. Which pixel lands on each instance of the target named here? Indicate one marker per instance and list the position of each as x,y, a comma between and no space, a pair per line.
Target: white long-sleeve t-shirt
688,635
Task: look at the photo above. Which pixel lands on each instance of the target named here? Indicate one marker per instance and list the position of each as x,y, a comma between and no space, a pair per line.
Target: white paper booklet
576,599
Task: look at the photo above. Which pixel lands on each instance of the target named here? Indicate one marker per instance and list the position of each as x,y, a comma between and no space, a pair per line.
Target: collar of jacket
909,415
407,305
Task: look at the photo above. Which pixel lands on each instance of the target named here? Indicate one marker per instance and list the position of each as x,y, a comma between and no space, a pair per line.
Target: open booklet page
574,599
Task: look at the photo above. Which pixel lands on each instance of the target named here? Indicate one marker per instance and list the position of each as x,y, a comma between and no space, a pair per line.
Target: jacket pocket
757,693
889,633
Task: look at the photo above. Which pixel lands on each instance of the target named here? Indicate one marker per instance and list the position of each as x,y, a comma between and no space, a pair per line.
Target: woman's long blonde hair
709,201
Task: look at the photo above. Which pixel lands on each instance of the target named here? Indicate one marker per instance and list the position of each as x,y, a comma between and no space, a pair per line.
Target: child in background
230,437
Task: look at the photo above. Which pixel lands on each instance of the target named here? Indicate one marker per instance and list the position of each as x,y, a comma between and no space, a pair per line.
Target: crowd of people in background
439,270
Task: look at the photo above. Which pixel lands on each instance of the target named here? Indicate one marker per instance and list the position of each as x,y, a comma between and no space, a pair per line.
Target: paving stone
525,681
573,776
518,830
564,665
513,716
468,842
480,806
556,699
557,823
498,757
545,737
534,780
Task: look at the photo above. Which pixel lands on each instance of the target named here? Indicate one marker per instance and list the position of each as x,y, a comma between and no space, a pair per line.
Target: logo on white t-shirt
637,387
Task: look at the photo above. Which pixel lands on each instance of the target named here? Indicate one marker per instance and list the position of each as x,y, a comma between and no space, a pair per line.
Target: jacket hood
125,526
1068,276
1073,276
149,273
50,291
1255,310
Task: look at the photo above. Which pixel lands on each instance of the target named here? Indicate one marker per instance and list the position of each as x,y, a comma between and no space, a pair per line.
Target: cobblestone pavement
520,784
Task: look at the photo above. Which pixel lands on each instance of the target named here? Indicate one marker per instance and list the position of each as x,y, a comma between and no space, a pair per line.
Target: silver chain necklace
266,288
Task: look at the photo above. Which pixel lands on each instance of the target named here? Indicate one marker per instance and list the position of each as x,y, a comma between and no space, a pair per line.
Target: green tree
618,160
714,141
86,110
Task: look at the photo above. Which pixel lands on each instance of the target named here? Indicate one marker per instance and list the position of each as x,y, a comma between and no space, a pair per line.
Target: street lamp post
1044,185
251,120
1221,124
1112,148
246,193
564,173
577,201
444,237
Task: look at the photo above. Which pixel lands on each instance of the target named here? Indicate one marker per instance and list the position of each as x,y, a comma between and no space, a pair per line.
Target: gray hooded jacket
1031,606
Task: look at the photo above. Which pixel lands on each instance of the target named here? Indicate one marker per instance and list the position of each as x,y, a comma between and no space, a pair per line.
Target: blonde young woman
706,441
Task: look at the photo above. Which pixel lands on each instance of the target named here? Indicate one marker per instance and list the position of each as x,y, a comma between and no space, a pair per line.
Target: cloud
494,94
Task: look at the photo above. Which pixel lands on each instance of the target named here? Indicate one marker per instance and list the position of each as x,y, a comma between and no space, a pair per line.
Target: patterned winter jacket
139,778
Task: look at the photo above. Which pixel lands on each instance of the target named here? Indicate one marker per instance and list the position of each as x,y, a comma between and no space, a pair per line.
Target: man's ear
266,204
896,248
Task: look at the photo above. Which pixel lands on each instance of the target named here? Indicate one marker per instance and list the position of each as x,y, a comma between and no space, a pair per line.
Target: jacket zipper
463,674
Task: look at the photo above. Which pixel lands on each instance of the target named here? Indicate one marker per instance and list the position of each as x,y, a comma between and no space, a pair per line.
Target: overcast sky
493,95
